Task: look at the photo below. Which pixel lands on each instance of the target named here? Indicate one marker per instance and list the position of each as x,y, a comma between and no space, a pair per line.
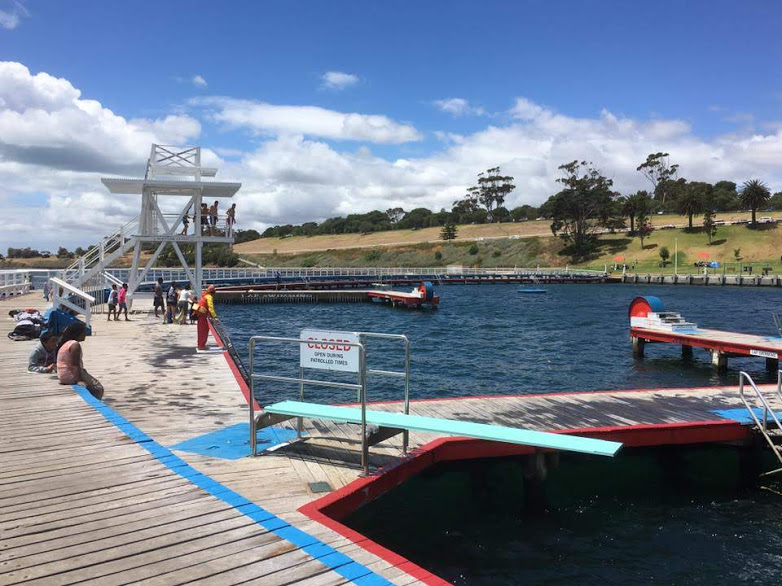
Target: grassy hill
523,244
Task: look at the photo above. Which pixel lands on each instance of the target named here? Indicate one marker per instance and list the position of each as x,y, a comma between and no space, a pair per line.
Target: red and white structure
650,323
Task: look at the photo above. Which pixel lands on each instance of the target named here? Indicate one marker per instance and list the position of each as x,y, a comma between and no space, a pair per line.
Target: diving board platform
451,427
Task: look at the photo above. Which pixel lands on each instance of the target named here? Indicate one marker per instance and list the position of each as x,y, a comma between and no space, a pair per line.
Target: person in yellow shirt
206,309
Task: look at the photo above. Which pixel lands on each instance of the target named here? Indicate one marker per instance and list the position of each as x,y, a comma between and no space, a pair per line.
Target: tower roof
171,187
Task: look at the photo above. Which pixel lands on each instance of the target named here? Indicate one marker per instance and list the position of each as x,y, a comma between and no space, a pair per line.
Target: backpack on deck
25,331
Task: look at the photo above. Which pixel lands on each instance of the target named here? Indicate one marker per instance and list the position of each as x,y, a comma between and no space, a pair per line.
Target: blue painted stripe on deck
743,417
325,554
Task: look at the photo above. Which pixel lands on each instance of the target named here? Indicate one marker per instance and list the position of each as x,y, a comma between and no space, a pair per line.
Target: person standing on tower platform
206,309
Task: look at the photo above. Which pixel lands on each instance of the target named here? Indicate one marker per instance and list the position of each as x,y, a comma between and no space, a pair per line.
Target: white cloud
265,119
54,142
525,109
55,145
458,107
198,81
10,19
338,80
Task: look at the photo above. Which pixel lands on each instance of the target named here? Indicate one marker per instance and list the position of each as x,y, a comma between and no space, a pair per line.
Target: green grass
758,246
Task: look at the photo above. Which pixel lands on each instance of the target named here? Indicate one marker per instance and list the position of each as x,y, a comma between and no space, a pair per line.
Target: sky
330,108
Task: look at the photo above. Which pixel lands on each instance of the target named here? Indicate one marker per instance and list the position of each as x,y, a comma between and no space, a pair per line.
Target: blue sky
708,70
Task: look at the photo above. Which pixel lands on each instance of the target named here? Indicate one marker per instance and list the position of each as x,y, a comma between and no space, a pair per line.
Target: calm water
490,339
637,519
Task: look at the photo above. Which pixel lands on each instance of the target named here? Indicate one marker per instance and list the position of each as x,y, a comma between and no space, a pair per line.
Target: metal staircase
100,256
765,407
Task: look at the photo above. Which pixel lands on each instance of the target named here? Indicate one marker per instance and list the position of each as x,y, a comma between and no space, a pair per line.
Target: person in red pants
206,309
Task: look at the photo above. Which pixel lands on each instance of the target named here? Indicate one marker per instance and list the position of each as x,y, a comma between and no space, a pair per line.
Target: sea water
637,519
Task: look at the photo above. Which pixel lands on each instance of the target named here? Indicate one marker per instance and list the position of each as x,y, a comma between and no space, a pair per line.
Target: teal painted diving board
541,439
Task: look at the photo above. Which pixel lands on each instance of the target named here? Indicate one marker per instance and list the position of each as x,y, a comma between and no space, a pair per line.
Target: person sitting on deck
205,310
70,368
42,357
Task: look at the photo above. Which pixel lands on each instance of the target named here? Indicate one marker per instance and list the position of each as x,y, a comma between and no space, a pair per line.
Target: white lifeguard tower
171,190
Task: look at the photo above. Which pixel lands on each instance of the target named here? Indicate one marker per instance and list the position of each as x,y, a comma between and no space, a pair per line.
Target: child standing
113,300
122,297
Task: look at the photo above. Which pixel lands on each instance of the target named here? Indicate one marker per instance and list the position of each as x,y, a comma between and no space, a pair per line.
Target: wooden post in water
686,352
638,347
720,360
772,364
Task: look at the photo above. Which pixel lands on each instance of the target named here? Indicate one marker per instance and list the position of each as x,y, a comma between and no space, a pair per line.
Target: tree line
586,204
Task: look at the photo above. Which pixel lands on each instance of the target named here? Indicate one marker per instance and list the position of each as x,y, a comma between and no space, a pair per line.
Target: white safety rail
67,296
101,255
241,273
769,404
15,282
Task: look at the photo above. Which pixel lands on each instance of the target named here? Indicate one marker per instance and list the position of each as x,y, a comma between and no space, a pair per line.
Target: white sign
763,353
329,350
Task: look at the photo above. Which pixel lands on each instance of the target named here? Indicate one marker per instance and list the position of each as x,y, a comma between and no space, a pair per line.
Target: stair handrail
767,410
94,253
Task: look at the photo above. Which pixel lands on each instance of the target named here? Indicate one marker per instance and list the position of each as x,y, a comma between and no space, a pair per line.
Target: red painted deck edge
347,499
555,394
234,370
337,505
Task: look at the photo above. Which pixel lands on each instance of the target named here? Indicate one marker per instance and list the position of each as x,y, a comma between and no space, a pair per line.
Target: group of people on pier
180,304
209,216
62,354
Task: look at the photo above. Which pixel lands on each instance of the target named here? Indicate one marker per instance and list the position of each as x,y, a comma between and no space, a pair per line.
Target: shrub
438,255
496,254
473,249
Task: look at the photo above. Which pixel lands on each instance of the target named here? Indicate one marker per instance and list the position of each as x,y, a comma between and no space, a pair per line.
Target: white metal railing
101,254
223,226
236,273
15,282
75,299
760,401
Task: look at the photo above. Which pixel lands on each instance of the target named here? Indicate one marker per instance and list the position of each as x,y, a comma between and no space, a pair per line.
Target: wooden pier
720,344
252,296
648,325
92,491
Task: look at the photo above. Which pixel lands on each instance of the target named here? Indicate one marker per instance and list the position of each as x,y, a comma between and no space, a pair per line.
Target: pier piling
720,360
638,347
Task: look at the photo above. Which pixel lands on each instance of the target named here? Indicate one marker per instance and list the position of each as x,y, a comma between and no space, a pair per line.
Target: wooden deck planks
79,501
73,487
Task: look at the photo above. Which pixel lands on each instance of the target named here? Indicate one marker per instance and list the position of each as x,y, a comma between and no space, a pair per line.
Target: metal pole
364,443
406,433
253,434
300,423
675,256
